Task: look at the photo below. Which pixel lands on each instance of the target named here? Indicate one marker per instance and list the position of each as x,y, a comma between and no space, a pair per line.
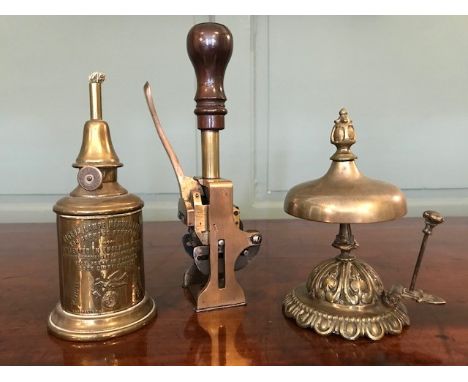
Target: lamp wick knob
96,77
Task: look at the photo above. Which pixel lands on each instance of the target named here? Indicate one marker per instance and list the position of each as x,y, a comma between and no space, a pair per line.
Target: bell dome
343,194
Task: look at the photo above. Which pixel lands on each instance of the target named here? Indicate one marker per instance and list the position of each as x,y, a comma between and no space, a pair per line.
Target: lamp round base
326,318
99,327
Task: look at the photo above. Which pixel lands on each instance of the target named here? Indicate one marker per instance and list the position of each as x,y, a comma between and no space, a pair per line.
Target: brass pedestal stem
210,154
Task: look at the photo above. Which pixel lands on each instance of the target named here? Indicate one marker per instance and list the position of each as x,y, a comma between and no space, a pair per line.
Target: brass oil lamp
99,227
344,295
215,240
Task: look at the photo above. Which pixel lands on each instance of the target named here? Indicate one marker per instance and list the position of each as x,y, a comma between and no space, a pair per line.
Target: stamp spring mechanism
215,239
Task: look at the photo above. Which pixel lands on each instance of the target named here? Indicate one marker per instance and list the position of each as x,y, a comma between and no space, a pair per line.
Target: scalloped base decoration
373,322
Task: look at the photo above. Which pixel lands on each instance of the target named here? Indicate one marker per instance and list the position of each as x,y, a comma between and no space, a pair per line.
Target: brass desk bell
344,295
215,240
100,233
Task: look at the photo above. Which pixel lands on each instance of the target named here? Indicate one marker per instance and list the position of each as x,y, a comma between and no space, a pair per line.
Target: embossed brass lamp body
215,240
345,295
99,227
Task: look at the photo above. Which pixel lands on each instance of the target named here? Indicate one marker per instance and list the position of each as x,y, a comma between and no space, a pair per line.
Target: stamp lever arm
186,184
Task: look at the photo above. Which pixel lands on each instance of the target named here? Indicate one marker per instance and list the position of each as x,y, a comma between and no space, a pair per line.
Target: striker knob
432,219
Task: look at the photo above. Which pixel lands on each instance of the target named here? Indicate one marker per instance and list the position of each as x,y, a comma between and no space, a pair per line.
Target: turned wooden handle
209,47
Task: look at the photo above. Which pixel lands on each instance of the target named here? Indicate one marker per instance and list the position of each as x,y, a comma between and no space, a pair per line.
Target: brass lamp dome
343,194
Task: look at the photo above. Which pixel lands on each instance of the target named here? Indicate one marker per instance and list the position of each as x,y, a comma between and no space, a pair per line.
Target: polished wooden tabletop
257,334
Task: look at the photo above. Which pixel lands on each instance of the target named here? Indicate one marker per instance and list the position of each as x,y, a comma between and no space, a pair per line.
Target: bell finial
343,137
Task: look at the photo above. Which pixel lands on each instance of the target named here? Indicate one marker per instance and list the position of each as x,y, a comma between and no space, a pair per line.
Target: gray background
402,78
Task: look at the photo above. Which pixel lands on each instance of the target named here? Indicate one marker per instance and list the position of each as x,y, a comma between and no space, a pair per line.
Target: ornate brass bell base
98,327
326,318
345,296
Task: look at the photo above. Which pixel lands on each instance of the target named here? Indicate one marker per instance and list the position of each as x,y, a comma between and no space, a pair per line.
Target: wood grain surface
257,334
